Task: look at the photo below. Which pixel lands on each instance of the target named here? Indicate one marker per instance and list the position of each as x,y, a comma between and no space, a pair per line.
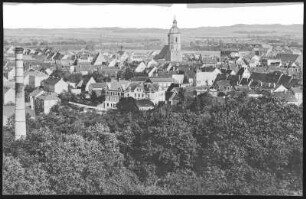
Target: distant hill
239,30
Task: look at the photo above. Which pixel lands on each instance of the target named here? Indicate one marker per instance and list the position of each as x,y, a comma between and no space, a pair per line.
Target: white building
206,78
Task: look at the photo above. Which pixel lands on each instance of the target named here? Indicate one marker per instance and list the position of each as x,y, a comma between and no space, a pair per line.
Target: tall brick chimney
20,121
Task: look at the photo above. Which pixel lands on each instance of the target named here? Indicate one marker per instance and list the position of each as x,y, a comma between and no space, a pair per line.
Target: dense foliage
205,146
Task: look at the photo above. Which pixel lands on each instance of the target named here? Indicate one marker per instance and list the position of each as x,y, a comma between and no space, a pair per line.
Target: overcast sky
26,15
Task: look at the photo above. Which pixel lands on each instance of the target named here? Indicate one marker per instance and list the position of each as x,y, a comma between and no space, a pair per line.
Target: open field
152,34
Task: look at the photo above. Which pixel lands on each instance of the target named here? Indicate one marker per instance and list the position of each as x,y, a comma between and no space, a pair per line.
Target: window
176,39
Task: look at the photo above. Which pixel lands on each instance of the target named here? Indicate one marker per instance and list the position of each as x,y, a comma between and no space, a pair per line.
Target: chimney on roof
20,121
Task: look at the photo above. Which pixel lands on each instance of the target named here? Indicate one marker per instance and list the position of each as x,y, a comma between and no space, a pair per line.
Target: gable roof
52,80
296,90
48,96
36,74
36,92
284,57
98,59
287,96
161,79
99,85
162,54
6,89
115,85
139,79
285,80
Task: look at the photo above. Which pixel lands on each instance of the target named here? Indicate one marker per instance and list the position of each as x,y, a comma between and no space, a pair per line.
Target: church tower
174,44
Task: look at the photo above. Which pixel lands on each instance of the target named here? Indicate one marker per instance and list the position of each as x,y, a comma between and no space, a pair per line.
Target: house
99,59
280,88
75,81
49,70
86,83
287,81
33,95
113,63
254,61
9,73
84,68
209,61
56,85
222,86
8,95
108,71
34,78
163,82
206,78
298,93
98,88
139,79
286,58
145,90
7,83
152,71
45,102
178,78
114,92
140,68
152,63
288,97
8,111
145,104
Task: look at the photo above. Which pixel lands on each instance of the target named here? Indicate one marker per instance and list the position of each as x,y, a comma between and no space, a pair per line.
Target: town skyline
152,16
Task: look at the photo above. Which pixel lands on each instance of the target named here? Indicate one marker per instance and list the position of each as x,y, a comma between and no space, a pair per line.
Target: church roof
174,29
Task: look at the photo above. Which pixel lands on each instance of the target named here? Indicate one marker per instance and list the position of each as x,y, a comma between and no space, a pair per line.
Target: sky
27,15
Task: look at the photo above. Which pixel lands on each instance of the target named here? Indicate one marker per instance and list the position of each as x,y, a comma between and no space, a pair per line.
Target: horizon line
153,27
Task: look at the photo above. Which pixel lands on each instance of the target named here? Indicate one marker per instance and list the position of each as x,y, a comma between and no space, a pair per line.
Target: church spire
174,21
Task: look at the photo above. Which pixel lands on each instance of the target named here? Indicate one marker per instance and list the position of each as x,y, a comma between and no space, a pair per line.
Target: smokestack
20,122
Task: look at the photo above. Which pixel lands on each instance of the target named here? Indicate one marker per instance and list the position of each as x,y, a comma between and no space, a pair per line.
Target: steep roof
115,85
233,79
285,80
36,92
296,90
99,85
48,96
139,79
163,53
287,96
36,74
284,57
52,80
161,79
98,59
5,90
222,76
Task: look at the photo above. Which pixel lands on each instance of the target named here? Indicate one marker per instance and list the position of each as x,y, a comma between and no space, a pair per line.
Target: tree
128,73
126,105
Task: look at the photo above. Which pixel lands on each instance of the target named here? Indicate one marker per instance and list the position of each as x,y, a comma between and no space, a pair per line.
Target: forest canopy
238,146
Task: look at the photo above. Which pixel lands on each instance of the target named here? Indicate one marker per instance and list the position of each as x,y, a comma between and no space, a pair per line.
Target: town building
8,95
45,102
53,84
